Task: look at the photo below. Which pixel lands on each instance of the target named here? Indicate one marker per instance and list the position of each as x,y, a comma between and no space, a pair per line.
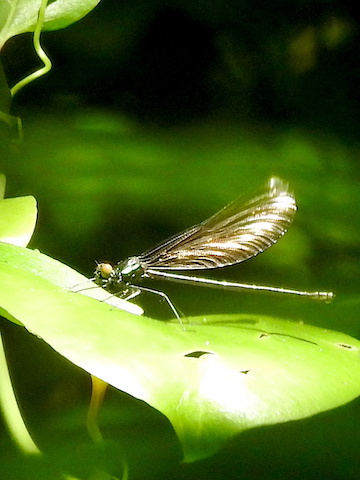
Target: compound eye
105,269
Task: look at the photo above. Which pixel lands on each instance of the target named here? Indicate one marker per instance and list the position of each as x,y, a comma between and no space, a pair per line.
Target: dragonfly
236,233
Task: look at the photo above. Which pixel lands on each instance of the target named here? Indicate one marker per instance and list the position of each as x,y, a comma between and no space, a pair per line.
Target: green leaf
19,16
218,377
17,219
37,270
62,13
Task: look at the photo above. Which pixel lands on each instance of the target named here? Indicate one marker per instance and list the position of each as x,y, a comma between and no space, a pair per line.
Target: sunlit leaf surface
19,16
17,220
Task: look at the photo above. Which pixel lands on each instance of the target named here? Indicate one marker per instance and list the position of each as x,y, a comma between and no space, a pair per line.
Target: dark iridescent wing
237,232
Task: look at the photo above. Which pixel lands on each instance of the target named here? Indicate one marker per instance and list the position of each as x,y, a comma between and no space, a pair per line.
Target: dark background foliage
154,116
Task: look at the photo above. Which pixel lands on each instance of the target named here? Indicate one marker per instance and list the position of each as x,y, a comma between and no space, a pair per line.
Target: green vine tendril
39,50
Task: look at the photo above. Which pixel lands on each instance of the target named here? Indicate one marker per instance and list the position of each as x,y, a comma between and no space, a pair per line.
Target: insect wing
237,232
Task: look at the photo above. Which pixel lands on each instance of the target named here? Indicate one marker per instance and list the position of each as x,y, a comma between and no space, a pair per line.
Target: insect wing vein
237,232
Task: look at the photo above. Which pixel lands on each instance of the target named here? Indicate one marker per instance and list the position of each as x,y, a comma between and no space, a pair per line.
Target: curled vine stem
39,50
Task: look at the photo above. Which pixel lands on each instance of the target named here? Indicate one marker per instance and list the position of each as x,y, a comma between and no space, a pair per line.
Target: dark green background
156,115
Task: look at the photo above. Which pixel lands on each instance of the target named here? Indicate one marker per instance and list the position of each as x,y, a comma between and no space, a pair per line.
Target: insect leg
166,298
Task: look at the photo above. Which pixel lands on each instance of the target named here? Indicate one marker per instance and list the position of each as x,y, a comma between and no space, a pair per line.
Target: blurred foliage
152,119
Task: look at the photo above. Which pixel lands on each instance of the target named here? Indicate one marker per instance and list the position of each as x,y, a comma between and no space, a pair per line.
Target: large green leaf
215,378
19,16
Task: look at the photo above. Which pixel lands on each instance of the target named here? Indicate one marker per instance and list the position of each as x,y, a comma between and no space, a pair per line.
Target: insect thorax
128,271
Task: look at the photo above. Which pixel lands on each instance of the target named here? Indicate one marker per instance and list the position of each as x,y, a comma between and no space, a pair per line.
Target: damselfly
236,233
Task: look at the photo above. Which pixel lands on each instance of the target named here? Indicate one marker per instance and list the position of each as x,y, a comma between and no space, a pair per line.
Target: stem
39,50
99,388
10,409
